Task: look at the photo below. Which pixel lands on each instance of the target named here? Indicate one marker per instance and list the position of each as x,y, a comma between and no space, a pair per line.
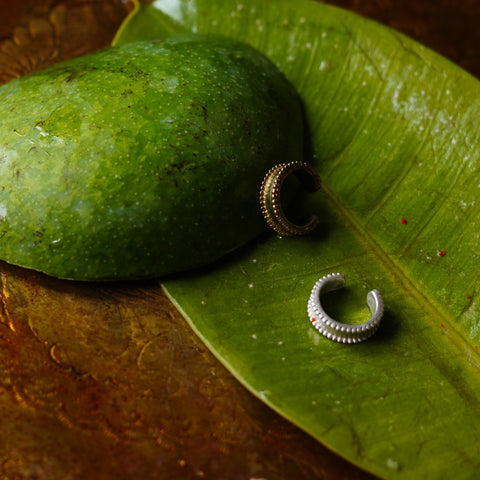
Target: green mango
141,160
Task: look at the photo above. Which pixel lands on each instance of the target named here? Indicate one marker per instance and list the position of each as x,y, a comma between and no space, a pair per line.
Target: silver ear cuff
341,332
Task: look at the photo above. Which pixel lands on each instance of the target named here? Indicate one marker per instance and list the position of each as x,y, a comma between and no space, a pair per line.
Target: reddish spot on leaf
442,325
442,253
404,221
468,295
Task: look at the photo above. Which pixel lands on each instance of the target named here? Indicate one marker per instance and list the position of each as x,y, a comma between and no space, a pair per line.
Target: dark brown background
109,382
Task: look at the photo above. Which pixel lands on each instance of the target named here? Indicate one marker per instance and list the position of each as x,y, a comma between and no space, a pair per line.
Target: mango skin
141,160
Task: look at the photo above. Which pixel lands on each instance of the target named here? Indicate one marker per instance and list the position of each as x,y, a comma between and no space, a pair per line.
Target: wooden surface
107,381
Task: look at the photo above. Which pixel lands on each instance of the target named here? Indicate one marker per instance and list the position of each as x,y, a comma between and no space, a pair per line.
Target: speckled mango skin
142,160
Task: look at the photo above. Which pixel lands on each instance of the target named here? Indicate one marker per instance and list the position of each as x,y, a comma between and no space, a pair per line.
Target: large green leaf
395,136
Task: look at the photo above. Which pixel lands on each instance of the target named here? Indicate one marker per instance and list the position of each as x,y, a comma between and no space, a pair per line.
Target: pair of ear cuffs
272,210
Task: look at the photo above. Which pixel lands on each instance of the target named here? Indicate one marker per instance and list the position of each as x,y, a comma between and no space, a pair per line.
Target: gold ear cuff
270,201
